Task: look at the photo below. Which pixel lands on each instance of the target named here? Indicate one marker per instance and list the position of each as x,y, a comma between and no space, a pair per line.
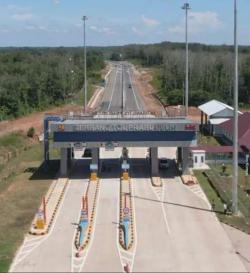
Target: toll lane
103,255
200,243
54,254
154,251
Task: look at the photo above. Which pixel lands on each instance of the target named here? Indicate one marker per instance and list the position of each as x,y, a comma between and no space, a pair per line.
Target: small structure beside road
214,113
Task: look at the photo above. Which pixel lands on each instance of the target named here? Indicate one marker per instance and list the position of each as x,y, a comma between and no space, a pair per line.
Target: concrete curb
132,236
36,232
156,182
87,239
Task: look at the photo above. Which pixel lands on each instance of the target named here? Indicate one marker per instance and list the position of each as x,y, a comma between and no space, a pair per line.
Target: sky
119,22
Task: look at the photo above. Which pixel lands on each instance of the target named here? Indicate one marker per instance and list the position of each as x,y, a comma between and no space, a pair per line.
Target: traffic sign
84,212
93,167
109,146
125,166
126,210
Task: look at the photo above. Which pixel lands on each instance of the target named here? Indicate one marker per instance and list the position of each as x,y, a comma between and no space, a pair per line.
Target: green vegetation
207,140
217,186
31,132
23,182
211,70
35,79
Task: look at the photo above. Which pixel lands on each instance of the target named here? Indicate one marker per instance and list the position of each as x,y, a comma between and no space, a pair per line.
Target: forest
211,70
33,79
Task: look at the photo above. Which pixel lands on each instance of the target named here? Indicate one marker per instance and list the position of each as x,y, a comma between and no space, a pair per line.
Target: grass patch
13,142
239,222
21,191
156,81
207,140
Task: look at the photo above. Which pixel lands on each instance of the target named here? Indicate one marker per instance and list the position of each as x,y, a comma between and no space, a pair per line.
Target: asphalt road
120,93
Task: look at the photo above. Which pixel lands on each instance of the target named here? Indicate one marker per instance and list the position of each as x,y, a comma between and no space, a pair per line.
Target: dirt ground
34,120
143,77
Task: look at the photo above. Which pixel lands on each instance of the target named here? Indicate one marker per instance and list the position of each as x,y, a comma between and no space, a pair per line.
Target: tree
31,132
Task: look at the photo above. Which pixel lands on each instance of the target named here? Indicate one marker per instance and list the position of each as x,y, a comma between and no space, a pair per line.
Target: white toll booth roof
217,121
213,107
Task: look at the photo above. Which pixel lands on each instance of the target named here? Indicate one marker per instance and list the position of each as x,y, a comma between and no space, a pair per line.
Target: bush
31,132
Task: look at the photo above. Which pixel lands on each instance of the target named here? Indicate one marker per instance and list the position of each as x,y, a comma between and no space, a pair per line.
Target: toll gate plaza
111,131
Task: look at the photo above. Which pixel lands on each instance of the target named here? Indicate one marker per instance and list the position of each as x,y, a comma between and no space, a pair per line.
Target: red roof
244,129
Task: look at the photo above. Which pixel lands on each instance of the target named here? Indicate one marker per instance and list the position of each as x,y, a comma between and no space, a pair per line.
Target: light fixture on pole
235,135
186,7
85,18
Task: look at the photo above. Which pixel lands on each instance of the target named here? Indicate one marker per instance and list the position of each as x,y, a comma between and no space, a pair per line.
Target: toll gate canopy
123,132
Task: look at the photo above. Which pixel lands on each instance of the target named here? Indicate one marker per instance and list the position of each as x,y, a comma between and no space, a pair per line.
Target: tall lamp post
235,135
186,7
85,18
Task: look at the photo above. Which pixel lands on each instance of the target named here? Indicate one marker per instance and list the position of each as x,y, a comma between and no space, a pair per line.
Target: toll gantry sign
124,132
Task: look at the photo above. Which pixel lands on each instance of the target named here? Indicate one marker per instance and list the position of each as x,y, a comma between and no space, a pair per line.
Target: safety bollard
125,176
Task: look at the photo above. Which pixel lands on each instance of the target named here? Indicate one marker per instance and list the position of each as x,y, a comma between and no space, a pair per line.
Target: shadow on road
44,171
175,204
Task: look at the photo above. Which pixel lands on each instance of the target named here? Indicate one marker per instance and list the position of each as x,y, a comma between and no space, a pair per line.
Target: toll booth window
195,159
202,159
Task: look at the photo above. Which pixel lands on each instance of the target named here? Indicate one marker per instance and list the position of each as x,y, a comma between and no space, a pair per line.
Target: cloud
137,31
56,2
78,25
104,30
198,22
22,16
149,22
4,30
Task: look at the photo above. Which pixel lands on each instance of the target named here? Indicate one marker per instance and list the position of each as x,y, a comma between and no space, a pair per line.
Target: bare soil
143,78
34,120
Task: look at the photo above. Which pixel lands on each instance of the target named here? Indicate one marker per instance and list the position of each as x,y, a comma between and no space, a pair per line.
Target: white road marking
132,86
17,260
198,191
161,199
118,229
135,228
113,91
85,253
127,257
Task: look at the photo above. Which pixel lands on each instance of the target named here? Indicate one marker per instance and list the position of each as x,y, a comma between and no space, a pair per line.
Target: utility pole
85,18
186,7
235,135
123,106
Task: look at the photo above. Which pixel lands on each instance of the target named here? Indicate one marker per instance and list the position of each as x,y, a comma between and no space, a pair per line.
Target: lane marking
127,257
163,208
132,86
135,227
113,90
86,252
107,85
17,260
203,197
123,91
118,229
161,199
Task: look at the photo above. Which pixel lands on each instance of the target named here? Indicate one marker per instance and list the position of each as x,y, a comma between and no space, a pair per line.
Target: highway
120,93
174,227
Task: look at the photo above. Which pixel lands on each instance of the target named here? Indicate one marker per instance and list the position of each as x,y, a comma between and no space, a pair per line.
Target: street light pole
186,7
85,18
235,136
